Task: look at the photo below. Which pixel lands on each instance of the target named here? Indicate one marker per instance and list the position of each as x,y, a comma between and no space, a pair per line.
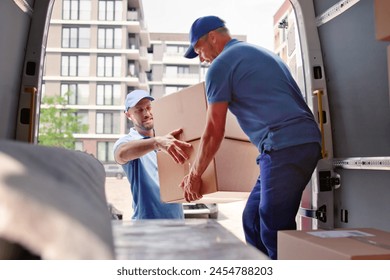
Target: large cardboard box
232,173
382,19
229,177
338,244
187,109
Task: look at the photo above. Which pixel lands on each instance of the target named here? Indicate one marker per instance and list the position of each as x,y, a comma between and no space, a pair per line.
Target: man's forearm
134,149
211,138
209,146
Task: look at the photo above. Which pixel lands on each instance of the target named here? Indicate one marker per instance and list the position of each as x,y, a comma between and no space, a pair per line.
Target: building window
176,71
110,9
107,123
76,94
75,37
132,41
176,49
75,65
172,89
109,38
76,9
82,117
171,71
105,152
108,94
131,68
183,70
109,66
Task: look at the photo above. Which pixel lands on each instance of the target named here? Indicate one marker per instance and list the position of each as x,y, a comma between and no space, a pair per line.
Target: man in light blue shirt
136,152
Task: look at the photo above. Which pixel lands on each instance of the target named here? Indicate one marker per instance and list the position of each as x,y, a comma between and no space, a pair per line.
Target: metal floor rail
368,163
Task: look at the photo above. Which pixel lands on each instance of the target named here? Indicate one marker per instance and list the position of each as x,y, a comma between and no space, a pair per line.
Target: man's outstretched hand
170,144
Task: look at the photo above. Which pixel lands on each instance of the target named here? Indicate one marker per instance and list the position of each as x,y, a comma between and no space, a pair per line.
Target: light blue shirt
262,95
142,174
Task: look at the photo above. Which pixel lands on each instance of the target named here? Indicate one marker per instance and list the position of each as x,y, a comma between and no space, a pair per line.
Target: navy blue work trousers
274,201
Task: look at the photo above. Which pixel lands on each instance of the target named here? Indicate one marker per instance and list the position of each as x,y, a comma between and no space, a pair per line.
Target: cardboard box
187,109
229,177
382,20
388,67
338,244
184,109
233,129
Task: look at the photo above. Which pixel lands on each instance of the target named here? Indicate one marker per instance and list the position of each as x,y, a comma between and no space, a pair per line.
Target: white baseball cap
135,96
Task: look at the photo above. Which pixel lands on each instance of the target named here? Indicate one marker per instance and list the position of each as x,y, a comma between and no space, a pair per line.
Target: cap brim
190,53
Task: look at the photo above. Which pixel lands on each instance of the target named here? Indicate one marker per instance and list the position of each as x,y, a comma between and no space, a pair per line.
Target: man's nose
147,113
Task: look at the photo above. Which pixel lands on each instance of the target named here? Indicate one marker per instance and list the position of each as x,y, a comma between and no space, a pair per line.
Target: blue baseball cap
134,97
199,28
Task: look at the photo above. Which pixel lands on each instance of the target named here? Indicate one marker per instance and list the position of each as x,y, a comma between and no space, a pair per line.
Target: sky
253,18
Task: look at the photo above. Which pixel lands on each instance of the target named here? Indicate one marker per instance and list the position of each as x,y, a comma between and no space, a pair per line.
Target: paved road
118,193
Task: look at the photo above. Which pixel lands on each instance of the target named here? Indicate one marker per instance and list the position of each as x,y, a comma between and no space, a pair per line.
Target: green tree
58,123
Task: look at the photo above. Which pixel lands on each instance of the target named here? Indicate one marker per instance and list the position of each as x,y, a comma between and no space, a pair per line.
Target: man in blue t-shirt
136,152
257,87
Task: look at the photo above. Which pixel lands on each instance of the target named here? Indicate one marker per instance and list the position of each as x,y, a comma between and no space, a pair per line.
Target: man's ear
213,36
128,115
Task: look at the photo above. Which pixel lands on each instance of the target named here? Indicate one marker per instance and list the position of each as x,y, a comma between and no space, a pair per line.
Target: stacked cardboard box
382,27
232,173
388,68
382,19
338,244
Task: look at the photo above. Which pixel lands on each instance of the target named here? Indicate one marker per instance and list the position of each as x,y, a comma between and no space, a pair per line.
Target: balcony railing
132,16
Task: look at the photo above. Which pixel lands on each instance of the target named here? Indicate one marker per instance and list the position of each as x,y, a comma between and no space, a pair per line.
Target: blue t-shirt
263,96
142,174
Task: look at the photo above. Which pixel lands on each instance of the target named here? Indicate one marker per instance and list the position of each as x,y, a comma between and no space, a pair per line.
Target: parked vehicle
114,170
200,209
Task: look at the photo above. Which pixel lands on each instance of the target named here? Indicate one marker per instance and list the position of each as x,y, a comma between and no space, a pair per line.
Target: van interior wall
357,83
14,28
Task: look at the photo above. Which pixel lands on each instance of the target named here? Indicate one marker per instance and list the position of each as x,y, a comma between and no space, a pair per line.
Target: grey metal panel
365,195
14,28
355,65
356,70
